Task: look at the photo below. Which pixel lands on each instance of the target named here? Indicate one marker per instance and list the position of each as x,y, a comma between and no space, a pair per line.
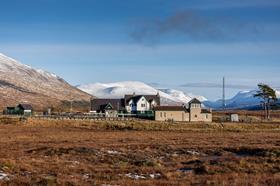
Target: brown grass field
42,152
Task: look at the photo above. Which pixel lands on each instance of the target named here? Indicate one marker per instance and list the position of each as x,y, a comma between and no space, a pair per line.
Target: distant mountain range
20,83
119,89
243,99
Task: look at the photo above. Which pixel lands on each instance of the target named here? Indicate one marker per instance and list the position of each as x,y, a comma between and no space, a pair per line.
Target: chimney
134,94
157,93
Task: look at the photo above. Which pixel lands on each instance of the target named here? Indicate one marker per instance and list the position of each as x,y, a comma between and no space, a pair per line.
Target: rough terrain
138,153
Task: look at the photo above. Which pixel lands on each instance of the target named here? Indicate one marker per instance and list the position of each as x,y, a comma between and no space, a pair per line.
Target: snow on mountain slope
119,89
180,95
21,83
243,99
277,94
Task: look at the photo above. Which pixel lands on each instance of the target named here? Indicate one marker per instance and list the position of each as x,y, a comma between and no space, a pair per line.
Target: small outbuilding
234,118
10,111
21,109
108,107
25,109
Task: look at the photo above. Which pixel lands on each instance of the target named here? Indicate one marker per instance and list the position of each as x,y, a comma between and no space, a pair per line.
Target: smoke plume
193,26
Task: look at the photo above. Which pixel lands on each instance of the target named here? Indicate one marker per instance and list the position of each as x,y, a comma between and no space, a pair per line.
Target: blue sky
188,45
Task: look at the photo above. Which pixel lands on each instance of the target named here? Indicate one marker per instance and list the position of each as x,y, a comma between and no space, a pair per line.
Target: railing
96,117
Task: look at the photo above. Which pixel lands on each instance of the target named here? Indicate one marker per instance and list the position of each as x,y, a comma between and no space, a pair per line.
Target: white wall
138,107
153,104
141,102
129,108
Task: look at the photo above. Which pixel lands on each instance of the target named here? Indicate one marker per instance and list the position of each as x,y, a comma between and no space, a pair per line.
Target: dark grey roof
205,111
136,98
195,101
25,106
170,108
101,104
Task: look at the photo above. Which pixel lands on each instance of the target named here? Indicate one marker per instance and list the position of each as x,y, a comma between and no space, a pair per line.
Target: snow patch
113,152
8,64
45,73
4,176
143,176
155,176
135,176
192,152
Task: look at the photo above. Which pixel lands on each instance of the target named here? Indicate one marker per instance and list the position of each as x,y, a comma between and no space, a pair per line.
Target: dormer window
194,105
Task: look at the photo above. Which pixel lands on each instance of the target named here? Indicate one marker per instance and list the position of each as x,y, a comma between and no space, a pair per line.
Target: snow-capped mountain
243,99
20,83
182,96
119,89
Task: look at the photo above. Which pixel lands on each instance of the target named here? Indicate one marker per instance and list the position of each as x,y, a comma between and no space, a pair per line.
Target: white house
141,103
134,104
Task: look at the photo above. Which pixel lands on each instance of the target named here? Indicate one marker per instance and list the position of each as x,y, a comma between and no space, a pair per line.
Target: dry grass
146,125
106,152
248,116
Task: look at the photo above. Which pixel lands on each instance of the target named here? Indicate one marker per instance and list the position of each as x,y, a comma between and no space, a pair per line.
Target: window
161,114
165,114
206,116
143,105
195,105
195,116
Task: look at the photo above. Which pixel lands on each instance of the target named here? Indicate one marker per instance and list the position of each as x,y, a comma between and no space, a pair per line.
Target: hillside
20,83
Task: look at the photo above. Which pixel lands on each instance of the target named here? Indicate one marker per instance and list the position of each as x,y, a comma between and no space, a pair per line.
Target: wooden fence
95,117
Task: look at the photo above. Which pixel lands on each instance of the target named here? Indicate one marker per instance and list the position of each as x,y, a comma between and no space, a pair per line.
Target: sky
183,44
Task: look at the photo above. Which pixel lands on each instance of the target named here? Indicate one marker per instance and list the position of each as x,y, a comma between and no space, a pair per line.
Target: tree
268,95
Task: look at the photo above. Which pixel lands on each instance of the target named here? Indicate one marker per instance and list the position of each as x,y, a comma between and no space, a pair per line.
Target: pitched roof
170,108
101,104
195,101
107,106
25,106
205,111
136,98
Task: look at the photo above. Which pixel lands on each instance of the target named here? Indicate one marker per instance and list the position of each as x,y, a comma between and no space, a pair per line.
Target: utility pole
224,94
